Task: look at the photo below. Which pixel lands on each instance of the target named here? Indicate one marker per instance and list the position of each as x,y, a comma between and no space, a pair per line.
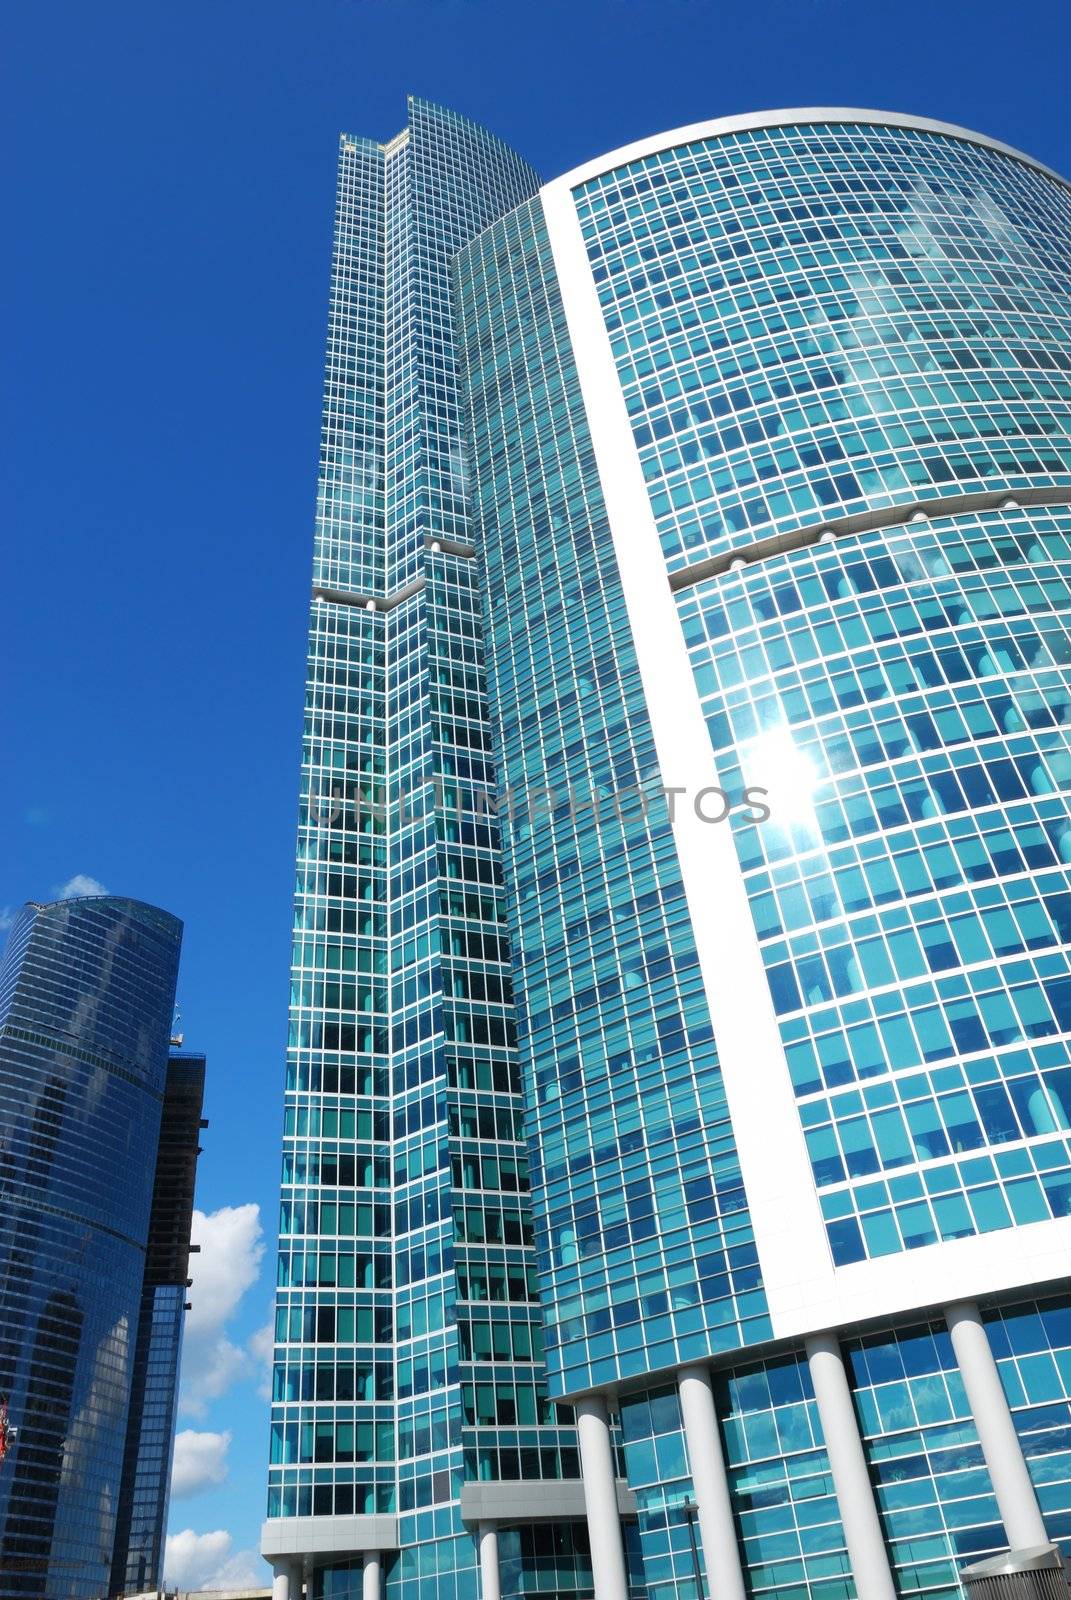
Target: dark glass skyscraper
87,989
762,485
141,1522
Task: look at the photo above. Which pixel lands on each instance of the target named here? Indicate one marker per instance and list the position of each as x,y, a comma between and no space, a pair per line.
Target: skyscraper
87,989
771,476
762,485
409,1395
144,1491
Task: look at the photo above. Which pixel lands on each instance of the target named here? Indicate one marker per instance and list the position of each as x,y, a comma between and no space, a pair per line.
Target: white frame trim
801,116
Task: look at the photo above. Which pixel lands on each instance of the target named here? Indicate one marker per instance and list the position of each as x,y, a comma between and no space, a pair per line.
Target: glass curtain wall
409,1349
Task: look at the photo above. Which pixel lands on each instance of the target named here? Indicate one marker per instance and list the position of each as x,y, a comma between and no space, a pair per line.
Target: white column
286,1583
1003,1453
600,1498
851,1480
490,1580
370,1575
721,1553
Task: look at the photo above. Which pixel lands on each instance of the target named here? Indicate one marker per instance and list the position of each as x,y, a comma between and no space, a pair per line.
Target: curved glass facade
915,915
87,990
858,319
821,370
811,321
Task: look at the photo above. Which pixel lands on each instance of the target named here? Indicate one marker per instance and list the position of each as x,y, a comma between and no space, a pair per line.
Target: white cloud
210,1367
232,1248
77,886
7,917
207,1560
200,1460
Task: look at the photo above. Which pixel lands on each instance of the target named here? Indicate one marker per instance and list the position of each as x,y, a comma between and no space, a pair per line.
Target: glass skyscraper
762,477
145,1487
410,1402
87,989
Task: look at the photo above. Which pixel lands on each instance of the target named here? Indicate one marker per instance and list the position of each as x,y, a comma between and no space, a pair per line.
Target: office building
141,1521
771,478
87,989
761,481
409,1396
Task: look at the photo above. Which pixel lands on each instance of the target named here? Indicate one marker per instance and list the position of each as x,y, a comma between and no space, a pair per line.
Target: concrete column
600,1499
490,1578
1003,1453
286,1583
721,1552
851,1479
370,1575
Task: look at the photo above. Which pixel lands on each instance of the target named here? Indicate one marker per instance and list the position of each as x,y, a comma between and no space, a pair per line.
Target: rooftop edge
794,117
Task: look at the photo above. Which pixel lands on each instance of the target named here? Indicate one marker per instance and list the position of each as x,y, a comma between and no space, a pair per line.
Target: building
204,1594
100,1147
750,444
141,1523
87,989
409,1393
771,477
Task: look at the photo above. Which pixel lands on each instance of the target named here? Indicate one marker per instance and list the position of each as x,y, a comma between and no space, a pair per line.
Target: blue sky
169,184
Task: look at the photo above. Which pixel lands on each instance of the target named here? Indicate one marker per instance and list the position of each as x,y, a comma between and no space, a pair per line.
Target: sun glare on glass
776,764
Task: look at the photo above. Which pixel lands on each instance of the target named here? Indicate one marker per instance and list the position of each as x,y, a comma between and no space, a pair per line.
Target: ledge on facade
540,1500
890,517
315,1536
450,547
368,602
